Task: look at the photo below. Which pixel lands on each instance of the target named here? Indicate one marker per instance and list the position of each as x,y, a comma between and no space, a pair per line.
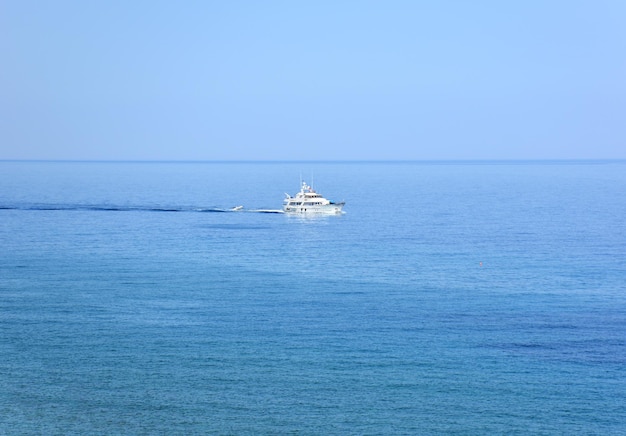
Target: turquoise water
469,298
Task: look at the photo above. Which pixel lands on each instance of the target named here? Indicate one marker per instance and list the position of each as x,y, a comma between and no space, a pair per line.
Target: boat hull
325,209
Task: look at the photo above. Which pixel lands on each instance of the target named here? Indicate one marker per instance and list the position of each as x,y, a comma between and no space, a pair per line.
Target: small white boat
310,202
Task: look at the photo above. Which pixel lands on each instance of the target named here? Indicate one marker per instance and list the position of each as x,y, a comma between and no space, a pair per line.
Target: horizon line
324,161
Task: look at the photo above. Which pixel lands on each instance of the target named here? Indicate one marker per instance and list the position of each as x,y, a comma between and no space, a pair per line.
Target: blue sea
449,298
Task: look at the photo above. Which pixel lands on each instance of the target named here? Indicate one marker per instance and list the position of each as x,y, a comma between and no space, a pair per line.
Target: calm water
449,298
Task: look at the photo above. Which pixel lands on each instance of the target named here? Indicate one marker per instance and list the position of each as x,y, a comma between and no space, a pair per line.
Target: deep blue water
469,298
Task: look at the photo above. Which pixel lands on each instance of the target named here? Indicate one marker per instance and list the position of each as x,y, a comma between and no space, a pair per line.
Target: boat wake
266,210
118,208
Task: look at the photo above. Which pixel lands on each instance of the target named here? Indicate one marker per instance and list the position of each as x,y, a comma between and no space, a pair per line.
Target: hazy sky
324,80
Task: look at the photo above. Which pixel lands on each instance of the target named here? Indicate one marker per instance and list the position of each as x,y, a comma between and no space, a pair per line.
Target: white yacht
308,201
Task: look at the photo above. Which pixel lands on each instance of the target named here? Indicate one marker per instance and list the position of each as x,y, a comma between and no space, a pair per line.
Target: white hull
327,209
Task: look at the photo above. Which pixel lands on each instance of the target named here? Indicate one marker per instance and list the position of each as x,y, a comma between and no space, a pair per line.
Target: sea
470,298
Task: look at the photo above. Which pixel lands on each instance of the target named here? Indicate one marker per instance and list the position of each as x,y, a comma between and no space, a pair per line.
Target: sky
312,80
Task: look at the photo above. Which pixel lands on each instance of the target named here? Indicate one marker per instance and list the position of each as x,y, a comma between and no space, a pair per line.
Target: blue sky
322,80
